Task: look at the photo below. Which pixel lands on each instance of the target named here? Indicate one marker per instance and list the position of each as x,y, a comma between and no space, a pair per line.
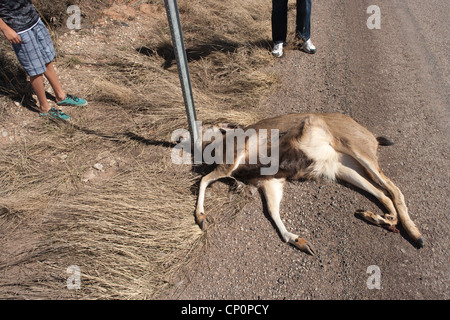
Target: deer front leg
273,192
200,217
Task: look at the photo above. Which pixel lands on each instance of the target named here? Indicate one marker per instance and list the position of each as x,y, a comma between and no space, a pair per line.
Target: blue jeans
279,20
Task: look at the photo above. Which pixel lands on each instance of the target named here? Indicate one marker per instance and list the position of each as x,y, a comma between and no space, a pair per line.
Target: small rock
253,190
179,283
98,166
88,175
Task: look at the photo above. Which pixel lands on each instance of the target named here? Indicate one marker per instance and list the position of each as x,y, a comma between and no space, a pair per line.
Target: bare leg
52,77
37,83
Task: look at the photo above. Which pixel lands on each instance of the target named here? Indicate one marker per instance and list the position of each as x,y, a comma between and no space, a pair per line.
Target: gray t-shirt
19,15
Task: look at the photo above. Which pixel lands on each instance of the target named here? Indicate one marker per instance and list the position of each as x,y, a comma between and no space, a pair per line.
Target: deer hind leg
350,171
402,209
273,192
397,197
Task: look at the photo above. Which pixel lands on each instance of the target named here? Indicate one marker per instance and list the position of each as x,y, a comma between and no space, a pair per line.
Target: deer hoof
420,242
303,245
391,228
200,219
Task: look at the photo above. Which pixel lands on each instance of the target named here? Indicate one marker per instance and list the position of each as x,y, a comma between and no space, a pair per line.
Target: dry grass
130,229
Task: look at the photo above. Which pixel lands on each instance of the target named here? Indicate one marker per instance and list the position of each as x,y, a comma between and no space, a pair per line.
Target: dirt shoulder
394,81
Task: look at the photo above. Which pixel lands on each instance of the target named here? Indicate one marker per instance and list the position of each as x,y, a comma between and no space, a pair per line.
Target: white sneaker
278,49
308,47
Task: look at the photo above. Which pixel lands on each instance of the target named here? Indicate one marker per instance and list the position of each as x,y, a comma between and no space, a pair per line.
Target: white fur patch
316,144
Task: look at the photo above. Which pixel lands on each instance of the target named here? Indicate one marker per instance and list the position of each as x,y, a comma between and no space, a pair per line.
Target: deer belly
317,146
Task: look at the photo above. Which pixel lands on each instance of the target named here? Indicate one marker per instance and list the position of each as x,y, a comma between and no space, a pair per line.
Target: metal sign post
183,69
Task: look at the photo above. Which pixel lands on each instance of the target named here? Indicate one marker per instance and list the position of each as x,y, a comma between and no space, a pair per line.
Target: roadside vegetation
101,193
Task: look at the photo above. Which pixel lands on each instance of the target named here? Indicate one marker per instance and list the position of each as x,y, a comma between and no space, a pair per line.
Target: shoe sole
71,105
277,55
309,51
52,117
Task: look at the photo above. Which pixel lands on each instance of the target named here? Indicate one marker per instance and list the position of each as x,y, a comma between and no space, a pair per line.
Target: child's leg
37,83
52,77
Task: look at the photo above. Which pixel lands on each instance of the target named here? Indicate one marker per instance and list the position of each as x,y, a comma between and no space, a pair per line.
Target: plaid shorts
36,49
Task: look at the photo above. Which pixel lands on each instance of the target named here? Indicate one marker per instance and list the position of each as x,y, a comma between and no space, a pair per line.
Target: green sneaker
71,100
56,114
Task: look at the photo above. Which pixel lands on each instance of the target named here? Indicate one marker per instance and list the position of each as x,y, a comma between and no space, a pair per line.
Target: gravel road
395,81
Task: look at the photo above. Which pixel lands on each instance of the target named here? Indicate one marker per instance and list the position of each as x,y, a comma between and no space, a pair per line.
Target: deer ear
227,126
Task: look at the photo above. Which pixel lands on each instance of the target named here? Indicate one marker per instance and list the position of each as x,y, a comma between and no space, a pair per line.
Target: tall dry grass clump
102,193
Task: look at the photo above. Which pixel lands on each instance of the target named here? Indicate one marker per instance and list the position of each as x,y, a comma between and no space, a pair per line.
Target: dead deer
311,146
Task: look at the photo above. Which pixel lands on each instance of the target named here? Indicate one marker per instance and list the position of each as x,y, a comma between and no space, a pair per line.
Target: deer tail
382,141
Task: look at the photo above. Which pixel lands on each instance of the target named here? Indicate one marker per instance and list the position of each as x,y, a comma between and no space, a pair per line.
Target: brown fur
311,146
